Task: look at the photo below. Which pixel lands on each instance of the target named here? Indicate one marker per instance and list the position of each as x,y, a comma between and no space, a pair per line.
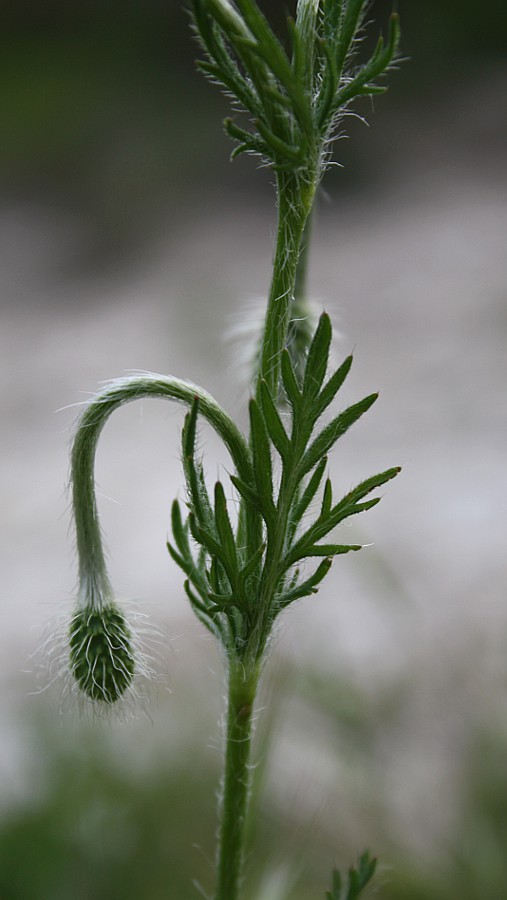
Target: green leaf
224,528
250,566
188,566
307,544
365,873
327,499
328,88
273,422
301,550
267,43
224,601
180,560
212,545
202,612
348,505
307,587
309,492
344,36
323,443
305,33
262,464
189,433
318,355
336,893
248,493
230,74
278,146
332,12
290,382
194,474
365,487
357,879
180,531
378,64
331,388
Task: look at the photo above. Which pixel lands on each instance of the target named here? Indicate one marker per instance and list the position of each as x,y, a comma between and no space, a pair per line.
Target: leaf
178,559
331,388
377,65
327,499
203,613
250,566
323,443
336,893
318,355
224,528
188,566
364,873
349,506
307,587
328,87
210,542
262,464
194,474
279,147
179,530
308,494
365,487
248,493
290,382
273,422
357,879
344,35
328,519
222,600
267,43
303,550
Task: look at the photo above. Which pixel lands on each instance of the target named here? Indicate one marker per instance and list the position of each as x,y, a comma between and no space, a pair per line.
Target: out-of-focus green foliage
101,109
473,865
96,831
77,78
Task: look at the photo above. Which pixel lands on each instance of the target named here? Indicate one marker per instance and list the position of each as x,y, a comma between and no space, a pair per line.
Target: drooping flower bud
101,654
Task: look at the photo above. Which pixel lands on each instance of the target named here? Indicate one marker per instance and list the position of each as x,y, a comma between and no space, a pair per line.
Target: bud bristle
101,657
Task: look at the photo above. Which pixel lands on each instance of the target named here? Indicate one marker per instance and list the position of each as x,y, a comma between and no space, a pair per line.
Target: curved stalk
93,579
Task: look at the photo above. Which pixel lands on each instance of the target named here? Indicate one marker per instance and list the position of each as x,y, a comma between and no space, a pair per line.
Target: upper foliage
243,577
294,98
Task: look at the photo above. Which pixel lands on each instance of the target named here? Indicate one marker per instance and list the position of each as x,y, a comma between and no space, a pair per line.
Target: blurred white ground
415,280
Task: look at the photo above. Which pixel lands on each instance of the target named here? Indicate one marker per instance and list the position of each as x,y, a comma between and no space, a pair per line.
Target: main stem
295,198
236,784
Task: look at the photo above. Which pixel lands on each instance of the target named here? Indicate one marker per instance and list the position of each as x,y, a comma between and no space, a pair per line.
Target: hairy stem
236,784
295,197
93,579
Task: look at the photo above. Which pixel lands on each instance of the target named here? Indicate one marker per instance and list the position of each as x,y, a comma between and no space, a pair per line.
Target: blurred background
128,241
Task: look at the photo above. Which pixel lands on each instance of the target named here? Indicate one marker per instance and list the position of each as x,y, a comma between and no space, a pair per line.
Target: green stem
295,198
301,325
93,578
301,284
236,784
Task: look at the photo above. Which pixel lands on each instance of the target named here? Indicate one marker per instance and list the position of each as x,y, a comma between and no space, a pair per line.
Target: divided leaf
307,587
318,356
323,443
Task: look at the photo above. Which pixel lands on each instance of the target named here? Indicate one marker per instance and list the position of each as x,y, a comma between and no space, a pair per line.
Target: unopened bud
101,656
